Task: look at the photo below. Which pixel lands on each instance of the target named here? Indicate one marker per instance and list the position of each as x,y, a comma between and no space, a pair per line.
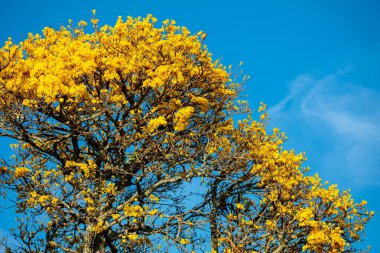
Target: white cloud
338,121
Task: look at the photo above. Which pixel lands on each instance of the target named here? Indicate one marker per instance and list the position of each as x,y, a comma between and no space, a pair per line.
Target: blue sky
315,63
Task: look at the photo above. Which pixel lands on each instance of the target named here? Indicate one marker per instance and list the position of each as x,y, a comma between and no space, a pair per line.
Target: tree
126,143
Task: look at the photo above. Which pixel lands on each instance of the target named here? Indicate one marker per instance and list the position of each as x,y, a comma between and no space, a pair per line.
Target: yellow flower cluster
84,167
323,236
132,237
201,102
42,199
181,118
99,227
153,124
21,171
304,215
50,68
133,211
110,189
154,198
270,225
239,206
184,241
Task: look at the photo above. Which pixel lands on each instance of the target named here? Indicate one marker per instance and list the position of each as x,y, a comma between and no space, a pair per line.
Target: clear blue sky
315,63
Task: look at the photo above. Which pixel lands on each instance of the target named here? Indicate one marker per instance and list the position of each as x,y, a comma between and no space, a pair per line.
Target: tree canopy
125,141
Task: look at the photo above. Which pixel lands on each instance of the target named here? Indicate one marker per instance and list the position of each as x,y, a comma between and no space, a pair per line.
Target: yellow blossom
181,117
239,206
21,171
132,237
153,124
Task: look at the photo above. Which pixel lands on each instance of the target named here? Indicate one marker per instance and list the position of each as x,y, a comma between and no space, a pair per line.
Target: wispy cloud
338,121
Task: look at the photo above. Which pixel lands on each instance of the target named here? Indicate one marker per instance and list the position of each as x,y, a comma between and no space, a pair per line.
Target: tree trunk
214,232
213,217
93,243
99,244
279,249
88,240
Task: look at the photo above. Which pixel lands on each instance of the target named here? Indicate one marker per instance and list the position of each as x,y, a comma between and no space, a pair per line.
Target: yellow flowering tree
125,143
262,200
